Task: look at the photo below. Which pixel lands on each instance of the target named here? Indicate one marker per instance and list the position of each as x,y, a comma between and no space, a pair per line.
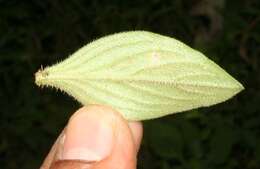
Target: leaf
141,74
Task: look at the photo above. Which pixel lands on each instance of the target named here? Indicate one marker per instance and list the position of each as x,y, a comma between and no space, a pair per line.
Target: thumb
97,137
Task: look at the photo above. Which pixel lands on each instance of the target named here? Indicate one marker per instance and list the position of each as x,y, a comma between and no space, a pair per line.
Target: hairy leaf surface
141,74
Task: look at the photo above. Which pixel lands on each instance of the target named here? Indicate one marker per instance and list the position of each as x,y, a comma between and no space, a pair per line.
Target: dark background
42,32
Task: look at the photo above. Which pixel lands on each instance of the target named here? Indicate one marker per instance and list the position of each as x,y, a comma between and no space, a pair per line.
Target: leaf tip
238,87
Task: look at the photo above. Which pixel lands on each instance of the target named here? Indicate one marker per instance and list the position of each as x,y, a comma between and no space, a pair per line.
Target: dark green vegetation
35,33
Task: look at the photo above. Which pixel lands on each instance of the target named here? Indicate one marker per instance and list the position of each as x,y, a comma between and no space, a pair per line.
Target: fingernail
88,138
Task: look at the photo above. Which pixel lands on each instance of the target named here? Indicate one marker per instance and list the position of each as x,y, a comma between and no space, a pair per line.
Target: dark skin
96,137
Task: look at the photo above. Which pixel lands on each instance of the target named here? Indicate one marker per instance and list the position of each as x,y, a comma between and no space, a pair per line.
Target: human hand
96,137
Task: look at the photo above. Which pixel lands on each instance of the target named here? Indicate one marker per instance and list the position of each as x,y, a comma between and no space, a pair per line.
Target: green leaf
141,74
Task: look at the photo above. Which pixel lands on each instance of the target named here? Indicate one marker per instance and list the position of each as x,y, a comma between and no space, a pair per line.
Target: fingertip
101,137
90,134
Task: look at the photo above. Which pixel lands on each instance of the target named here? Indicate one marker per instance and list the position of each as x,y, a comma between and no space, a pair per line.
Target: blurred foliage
35,33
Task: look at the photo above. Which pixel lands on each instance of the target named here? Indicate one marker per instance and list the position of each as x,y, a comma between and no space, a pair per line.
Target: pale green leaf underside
141,74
